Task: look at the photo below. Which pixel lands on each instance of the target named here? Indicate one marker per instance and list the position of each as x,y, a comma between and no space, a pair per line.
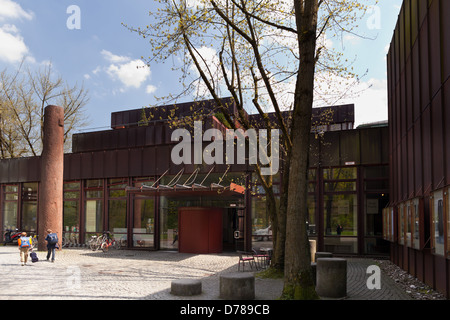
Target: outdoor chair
246,257
262,259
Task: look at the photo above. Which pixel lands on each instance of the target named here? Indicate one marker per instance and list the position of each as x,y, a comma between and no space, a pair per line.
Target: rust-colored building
123,180
417,222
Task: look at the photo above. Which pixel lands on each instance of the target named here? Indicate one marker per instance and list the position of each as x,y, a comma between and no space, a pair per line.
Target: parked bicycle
11,236
34,241
69,240
103,242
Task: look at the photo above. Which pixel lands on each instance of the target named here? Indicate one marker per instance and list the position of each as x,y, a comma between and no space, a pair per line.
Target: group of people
25,246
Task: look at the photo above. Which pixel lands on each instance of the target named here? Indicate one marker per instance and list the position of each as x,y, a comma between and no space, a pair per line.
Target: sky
87,44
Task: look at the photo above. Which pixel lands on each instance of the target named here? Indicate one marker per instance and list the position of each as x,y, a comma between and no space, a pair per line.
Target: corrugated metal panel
98,165
417,99
122,163
86,166
371,149
445,39
435,44
148,162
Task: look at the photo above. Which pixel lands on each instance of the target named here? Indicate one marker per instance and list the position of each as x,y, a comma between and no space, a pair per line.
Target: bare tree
23,96
266,54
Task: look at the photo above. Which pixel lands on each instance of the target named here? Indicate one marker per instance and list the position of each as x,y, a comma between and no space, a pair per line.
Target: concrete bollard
322,255
314,271
331,278
186,287
237,286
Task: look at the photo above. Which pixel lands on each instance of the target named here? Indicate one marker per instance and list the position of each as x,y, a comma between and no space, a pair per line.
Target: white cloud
369,97
12,46
371,105
131,73
114,58
12,10
150,89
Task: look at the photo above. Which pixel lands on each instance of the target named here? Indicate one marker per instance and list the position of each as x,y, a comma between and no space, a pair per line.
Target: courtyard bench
186,287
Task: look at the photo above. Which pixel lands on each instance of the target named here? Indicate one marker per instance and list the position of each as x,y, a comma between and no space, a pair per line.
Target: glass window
94,216
341,245
94,194
335,127
94,206
261,220
117,207
312,174
29,192
401,224
29,206
261,226
169,221
408,218
70,222
71,186
438,222
11,196
341,215
94,183
340,186
13,189
373,208
143,222
416,221
10,215
117,215
311,223
347,173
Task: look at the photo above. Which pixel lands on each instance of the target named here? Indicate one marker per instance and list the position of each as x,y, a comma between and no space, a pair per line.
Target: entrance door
230,225
200,230
143,227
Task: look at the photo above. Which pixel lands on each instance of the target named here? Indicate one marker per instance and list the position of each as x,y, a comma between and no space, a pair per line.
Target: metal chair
262,259
246,257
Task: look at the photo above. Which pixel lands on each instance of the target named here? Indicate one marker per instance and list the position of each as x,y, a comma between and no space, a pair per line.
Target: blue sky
103,54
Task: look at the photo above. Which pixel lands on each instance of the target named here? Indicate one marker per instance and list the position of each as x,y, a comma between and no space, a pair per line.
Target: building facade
417,221
123,180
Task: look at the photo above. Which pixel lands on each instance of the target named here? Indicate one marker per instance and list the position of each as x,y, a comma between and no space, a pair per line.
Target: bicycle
95,242
34,241
121,243
69,240
104,242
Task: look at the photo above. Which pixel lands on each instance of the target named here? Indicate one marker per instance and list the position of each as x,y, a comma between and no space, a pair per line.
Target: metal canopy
189,187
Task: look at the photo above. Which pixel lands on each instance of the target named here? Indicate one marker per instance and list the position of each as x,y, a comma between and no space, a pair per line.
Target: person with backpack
52,242
24,245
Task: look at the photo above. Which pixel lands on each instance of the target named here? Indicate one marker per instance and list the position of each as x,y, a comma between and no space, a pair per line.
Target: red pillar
51,186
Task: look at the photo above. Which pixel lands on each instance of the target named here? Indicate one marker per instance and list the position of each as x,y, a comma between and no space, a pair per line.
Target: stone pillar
52,170
331,278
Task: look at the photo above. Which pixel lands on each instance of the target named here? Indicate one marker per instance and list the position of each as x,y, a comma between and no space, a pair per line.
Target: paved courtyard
81,274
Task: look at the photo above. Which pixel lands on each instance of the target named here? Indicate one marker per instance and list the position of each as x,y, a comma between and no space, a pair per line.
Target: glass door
143,233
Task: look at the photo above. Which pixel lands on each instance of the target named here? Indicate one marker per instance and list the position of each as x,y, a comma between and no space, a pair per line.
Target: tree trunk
298,283
279,243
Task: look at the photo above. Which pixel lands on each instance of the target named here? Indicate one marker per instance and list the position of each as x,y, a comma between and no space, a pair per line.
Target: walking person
24,246
52,243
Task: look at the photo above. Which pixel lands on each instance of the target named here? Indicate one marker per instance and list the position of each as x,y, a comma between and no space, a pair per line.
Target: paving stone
79,273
